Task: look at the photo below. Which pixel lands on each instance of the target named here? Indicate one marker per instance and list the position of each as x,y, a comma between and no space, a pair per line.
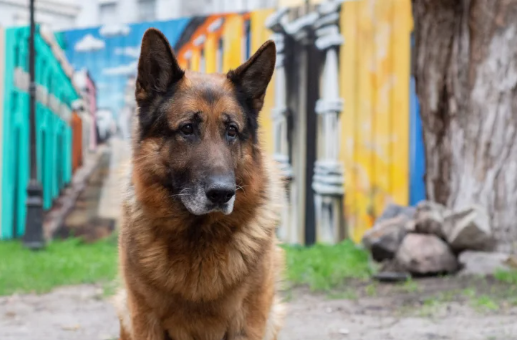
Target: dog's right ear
157,66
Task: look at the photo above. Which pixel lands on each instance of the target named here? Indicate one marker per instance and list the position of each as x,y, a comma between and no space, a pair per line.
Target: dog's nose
221,189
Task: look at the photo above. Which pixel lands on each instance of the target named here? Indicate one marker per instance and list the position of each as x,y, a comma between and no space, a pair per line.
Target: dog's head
196,134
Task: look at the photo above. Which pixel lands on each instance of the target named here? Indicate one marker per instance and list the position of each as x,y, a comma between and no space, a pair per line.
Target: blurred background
394,123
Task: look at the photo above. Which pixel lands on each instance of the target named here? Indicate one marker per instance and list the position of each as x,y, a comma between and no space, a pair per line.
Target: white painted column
328,171
280,128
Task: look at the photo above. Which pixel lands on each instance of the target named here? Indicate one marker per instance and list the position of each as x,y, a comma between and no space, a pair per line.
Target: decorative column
328,171
280,128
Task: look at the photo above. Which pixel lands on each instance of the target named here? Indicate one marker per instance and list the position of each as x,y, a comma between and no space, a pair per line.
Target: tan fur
210,281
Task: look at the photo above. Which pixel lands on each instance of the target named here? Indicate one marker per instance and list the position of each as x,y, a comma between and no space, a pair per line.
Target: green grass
323,267
371,289
72,262
60,263
347,294
505,276
485,303
410,286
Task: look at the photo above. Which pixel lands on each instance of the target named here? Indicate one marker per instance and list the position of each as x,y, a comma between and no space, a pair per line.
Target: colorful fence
337,114
375,73
54,138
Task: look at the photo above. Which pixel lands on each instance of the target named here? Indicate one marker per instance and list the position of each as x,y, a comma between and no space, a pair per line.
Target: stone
391,271
483,263
469,229
426,254
429,218
394,210
385,237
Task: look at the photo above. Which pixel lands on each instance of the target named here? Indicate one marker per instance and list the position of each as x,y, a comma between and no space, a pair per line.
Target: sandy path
81,313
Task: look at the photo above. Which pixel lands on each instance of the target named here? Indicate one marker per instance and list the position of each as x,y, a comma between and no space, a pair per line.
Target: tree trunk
465,65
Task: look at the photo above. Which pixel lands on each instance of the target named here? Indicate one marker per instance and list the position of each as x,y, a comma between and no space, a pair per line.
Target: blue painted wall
417,190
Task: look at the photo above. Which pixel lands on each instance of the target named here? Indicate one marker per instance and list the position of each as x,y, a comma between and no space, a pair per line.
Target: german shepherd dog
198,253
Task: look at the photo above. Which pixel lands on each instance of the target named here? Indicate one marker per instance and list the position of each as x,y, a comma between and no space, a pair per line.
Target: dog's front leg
145,325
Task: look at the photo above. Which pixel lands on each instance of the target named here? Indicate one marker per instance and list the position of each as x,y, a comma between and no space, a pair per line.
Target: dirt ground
385,313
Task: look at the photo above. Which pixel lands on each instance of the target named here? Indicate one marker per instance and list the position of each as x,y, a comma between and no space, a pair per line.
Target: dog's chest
200,271
205,322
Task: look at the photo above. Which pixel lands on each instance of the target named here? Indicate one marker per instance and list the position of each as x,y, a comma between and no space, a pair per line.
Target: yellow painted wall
210,49
232,41
259,35
375,73
195,59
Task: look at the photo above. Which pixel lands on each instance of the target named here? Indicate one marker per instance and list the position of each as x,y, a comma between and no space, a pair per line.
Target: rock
392,271
394,210
429,218
426,254
469,229
384,238
483,263
392,277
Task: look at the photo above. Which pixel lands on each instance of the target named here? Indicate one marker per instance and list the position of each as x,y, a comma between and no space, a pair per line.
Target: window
107,13
146,10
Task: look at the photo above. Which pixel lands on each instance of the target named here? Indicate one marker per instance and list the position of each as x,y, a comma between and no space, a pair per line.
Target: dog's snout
220,189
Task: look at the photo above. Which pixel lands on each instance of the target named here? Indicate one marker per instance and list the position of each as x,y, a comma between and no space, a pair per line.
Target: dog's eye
231,131
187,129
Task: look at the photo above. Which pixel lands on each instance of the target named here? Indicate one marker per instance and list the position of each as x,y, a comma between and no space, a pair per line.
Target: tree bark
465,65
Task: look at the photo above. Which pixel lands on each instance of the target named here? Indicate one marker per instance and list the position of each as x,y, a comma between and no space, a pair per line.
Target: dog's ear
252,77
157,66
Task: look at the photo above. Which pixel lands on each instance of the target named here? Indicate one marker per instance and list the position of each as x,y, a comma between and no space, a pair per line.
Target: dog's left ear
252,77
157,66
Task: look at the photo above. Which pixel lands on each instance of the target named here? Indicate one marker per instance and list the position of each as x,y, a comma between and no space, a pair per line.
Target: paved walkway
81,313
112,192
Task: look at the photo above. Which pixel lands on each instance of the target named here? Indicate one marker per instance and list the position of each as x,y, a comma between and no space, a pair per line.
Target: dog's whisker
176,195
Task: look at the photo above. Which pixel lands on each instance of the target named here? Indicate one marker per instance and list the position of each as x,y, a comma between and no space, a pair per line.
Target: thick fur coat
197,265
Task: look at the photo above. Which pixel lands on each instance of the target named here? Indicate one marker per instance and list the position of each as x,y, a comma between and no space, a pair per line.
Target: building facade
55,94
87,106
56,14
66,14
114,12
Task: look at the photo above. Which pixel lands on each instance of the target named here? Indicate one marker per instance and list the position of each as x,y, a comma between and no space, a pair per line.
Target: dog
199,259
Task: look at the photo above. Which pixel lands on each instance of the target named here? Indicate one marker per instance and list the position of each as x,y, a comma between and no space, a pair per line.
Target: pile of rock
429,238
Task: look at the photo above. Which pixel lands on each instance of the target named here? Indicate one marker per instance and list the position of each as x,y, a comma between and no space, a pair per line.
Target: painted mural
337,116
110,53
375,85
343,114
54,96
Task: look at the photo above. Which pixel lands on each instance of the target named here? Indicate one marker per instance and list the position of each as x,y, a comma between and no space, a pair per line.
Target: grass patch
371,289
323,267
429,308
69,262
348,294
410,286
485,303
505,276
65,262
